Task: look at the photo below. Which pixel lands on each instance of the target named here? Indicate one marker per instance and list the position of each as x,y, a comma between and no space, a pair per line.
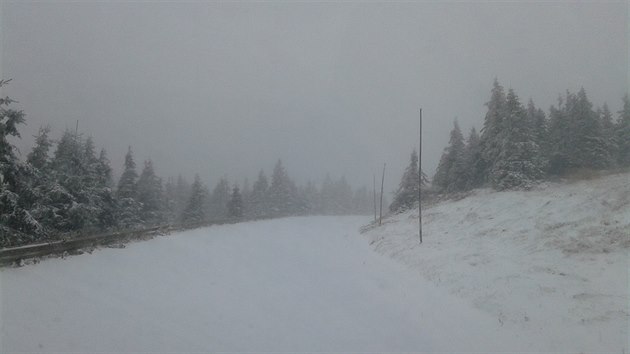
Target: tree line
521,145
66,186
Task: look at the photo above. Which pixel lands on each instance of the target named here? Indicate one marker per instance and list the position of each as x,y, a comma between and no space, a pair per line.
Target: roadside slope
552,262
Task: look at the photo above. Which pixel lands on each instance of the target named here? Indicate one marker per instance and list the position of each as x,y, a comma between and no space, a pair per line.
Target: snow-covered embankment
551,263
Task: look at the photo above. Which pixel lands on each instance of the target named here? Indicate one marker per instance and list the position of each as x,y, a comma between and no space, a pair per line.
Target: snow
287,285
551,263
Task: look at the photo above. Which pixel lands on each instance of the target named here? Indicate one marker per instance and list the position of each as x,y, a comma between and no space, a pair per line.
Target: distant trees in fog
65,187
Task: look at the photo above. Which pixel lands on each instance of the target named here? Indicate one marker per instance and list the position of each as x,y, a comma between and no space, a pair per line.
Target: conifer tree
472,157
246,194
170,201
622,134
194,212
41,181
75,204
127,181
408,191
108,205
311,197
518,164
343,192
17,225
259,197
219,199
327,196
492,129
150,195
104,169
560,139
451,174
235,205
126,195
281,192
540,130
592,148
181,197
608,132
38,157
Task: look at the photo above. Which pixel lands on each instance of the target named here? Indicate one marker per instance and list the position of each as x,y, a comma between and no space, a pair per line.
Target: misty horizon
225,90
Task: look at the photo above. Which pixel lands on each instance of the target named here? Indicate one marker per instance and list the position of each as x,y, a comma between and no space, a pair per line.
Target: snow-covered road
289,285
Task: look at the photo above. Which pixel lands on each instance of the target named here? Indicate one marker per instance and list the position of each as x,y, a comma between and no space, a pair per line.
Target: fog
225,89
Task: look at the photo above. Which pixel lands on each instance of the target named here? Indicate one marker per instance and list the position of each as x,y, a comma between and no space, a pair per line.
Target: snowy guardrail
15,255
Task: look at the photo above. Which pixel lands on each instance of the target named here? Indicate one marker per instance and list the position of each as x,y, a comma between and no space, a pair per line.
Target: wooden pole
380,219
420,181
374,194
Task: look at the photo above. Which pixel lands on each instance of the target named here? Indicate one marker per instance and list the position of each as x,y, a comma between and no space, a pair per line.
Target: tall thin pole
420,181
380,219
374,194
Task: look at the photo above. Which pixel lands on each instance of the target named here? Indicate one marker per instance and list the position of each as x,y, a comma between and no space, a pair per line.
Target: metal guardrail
13,255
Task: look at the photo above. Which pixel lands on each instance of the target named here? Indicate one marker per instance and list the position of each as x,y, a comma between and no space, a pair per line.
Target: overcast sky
221,88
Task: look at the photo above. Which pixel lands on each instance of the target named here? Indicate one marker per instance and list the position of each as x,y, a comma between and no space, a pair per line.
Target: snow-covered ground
551,263
289,285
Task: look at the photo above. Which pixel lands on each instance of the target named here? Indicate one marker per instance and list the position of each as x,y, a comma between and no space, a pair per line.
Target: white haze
220,88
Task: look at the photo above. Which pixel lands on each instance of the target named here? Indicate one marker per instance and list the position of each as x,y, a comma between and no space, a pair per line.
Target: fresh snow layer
289,285
551,263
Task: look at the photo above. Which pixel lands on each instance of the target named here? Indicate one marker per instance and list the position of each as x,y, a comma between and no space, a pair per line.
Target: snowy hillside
551,263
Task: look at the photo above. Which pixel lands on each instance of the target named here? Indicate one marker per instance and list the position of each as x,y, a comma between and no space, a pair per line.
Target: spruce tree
343,196
518,164
217,207
310,195
592,148
622,134
75,205
282,192
194,213
182,196
17,225
170,201
108,205
472,157
540,130
235,205
150,195
560,139
608,132
492,129
38,157
126,195
451,175
327,196
408,191
259,205
127,181
104,170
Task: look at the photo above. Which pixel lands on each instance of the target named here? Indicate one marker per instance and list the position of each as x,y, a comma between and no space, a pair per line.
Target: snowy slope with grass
308,284
551,263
